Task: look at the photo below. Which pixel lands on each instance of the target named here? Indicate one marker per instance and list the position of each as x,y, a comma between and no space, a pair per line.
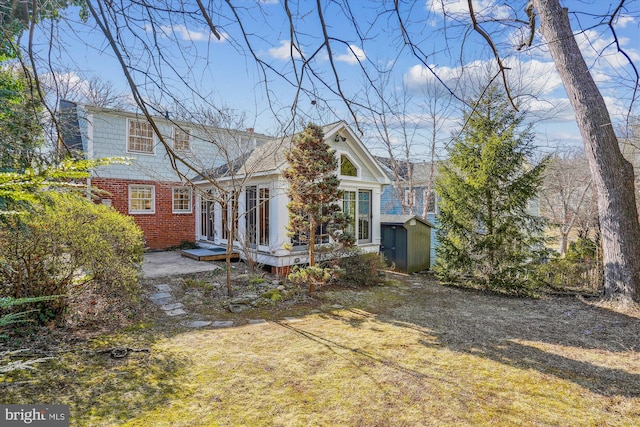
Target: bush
313,276
70,247
361,269
580,270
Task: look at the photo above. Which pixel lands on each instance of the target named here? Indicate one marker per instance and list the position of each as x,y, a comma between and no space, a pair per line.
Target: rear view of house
151,186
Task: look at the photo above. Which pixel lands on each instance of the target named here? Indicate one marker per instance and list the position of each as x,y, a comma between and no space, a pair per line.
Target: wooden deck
208,254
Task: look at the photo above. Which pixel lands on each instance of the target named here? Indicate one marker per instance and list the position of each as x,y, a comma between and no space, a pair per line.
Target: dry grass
408,354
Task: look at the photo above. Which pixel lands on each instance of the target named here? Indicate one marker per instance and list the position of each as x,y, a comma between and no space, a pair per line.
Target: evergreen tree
487,234
313,189
21,136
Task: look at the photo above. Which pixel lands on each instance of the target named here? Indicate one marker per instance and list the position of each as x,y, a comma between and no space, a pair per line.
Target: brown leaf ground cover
408,353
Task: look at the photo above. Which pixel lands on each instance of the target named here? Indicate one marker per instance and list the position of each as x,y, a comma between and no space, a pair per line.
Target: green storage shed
406,242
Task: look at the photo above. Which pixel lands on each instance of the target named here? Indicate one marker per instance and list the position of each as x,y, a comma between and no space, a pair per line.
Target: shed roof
403,219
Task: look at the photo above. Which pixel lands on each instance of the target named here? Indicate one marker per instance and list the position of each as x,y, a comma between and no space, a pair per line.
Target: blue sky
196,67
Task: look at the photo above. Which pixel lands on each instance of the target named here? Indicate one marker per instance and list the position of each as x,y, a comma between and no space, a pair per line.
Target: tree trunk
564,238
612,174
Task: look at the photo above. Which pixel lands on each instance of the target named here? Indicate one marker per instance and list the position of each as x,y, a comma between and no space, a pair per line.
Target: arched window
347,168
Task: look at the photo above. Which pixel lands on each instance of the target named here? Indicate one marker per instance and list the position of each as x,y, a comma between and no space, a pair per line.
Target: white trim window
181,200
181,139
142,199
347,166
140,137
357,204
432,199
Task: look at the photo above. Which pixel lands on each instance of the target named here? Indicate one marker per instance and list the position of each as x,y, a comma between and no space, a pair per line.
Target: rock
222,323
281,288
257,321
174,306
244,299
176,312
159,296
163,288
237,308
199,323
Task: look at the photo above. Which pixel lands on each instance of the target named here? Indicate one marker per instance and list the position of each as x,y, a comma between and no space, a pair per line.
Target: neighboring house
406,197
261,189
149,187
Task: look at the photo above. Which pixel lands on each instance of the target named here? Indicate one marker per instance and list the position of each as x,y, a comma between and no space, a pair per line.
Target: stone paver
222,323
257,321
163,288
176,312
199,323
172,306
159,295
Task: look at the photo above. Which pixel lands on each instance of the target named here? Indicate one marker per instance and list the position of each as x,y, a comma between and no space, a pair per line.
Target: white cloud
285,51
459,9
186,34
623,20
353,55
525,78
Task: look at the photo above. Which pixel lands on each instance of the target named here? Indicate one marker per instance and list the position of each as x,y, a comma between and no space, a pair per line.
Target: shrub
313,276
580,269
70,247
361,269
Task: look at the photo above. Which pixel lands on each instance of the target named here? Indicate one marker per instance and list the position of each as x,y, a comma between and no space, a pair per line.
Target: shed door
388,248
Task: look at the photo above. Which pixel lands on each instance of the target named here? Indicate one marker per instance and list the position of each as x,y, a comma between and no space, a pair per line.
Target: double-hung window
181,139
142,199
140,137
181,199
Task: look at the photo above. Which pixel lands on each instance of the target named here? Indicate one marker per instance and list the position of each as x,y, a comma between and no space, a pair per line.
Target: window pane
182,200
140,137
181,139
250,206
141,198
349,208
347,168
364,216
264,216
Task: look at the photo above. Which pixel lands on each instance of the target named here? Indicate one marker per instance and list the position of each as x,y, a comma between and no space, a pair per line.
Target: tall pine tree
313,189
487,234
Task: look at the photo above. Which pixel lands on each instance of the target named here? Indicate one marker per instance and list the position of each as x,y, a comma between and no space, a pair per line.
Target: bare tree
567,195
139,35
409,129
612,175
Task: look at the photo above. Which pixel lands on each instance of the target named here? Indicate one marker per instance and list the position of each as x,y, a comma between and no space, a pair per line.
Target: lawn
405,354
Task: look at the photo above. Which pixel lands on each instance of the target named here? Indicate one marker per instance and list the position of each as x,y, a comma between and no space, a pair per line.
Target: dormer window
347,168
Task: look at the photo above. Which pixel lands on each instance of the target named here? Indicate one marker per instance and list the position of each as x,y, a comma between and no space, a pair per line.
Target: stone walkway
163,298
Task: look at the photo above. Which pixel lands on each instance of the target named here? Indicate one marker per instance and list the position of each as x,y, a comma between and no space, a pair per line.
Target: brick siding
162,229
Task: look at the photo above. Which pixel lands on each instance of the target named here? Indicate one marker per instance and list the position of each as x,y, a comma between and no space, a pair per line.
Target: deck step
208,254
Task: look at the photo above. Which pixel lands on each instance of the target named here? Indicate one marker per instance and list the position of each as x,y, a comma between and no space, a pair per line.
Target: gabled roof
421,170
403,219
269,158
